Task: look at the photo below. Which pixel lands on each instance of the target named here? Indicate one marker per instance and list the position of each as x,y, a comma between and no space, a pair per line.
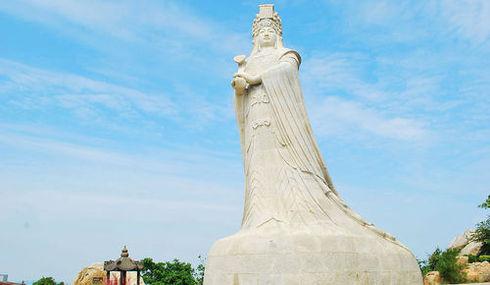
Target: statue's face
267,37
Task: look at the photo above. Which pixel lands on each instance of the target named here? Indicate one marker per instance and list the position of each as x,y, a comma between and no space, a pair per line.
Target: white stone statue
295,228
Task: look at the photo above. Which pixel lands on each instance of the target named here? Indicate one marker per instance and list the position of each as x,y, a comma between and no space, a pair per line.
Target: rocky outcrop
475,272
465,245
478,272
432,278
472,248
462,260
461,241
89,274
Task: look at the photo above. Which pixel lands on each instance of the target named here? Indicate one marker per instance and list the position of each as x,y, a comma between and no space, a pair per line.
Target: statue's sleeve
291,56
298,146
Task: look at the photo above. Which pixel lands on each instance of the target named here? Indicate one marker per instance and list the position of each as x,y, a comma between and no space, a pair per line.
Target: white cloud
468,18
171,160
411,21
145,21
380,11
334,116
339,72
372,107
31,88
54,205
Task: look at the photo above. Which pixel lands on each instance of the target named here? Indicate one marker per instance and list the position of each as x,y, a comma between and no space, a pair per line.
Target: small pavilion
123,264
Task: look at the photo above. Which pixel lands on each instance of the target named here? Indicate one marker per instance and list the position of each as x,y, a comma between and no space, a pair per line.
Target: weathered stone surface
432,278
461,240
462,260
478,272
473,248
86,276
295,229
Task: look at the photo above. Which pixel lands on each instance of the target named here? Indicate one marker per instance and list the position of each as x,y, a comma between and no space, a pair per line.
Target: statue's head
267,37
267,28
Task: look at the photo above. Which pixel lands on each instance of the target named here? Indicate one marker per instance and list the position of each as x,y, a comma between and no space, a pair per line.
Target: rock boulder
461,241
95,274
432,278
478,272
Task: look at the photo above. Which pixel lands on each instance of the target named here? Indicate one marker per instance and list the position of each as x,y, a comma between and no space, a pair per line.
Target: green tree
199,272
449,268
168,273
482,231
445,262
47,281
430,264
486,204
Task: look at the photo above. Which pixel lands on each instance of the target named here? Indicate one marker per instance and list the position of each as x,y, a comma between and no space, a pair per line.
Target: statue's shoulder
287,52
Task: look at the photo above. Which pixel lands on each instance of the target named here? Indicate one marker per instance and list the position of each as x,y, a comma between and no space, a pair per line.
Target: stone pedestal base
309,258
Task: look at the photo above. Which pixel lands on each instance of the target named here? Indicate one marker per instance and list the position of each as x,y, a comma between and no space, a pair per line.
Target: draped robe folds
296,148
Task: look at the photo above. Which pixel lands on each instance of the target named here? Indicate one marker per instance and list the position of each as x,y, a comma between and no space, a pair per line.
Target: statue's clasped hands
241,81
250,79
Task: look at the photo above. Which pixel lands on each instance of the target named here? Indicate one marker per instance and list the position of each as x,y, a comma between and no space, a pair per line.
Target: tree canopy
171,273
482,231
47,281
486,204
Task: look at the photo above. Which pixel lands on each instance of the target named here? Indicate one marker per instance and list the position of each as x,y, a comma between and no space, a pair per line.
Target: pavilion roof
123,263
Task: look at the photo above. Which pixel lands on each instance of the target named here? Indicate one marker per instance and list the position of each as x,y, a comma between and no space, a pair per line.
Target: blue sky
117,126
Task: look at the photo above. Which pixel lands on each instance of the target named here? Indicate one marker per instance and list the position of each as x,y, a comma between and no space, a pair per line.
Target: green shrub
430,264
476,258
473,258
482,258
445,263
482,234
423,266
448,267
482,231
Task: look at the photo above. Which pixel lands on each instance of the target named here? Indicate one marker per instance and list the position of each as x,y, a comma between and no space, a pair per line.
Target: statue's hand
251,79
239,84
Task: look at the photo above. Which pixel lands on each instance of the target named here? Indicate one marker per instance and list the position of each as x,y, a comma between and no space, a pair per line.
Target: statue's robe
295,140
295,228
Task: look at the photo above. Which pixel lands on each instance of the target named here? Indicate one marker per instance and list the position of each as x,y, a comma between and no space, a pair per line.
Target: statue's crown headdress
266,17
